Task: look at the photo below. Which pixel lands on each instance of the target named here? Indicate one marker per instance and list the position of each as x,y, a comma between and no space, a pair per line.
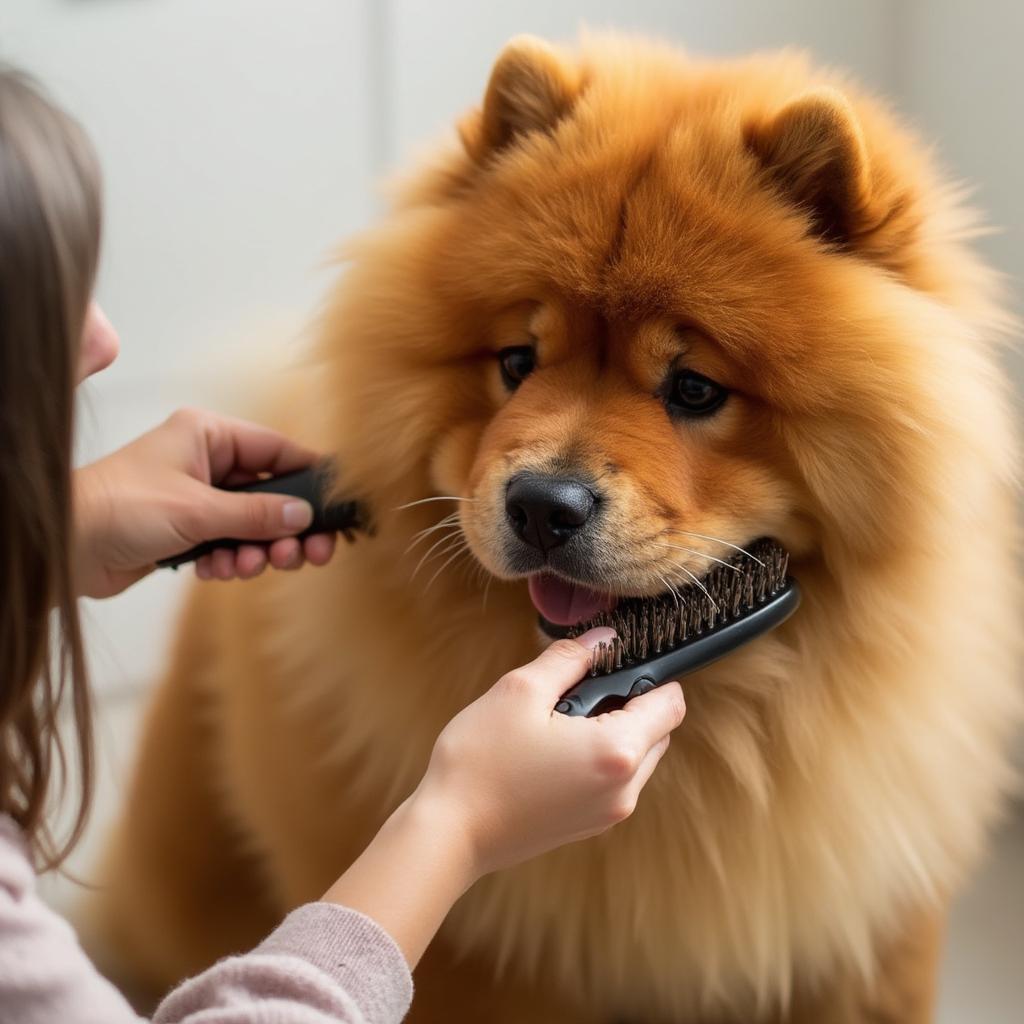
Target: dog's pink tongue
564,603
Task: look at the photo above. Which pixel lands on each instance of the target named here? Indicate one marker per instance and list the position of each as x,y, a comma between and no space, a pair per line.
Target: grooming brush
312,485
662,638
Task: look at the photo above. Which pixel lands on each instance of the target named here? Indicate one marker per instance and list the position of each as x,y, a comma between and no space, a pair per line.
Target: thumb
561,665
245,516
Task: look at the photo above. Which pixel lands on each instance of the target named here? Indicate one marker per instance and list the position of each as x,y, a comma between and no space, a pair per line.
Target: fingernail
297,515
595,636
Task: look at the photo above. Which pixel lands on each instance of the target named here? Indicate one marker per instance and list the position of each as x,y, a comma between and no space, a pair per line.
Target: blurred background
241,139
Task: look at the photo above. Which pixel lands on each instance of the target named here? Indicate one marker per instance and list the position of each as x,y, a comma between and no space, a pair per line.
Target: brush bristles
647,626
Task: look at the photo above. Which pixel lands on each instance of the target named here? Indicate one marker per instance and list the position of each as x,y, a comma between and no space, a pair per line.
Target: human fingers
318,548
649,763
628,793
558,667
222,562
250,560
248,516
286,553
646,719
238,446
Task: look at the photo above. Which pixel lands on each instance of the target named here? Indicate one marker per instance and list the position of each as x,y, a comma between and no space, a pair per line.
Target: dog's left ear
813,152
532,87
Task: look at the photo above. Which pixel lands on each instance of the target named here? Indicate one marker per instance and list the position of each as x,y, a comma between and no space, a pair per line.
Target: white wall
241,139
236,138
963,85
440,53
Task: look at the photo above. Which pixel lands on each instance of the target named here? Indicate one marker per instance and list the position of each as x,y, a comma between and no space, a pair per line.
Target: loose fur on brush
627,209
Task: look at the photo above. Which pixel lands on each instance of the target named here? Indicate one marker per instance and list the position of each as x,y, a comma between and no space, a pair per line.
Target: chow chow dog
680,304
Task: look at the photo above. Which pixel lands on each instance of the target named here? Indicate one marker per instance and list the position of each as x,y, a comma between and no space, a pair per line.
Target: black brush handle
313,485
597,694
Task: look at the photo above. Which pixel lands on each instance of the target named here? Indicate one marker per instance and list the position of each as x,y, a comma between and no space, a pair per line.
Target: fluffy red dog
733,300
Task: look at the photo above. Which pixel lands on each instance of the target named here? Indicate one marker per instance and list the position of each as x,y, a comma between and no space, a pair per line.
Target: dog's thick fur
629,209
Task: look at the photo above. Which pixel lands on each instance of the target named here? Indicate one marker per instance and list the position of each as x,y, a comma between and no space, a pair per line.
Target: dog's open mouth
566,608
562,604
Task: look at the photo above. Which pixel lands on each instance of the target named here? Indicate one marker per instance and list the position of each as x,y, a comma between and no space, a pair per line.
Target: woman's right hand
517,778
508,779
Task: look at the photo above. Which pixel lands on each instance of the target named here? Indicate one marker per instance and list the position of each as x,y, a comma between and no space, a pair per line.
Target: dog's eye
516,364
692,394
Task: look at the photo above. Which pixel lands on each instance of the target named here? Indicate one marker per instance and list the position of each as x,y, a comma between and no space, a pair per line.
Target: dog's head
651,310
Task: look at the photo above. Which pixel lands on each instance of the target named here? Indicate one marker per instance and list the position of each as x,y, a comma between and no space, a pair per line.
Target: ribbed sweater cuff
353,949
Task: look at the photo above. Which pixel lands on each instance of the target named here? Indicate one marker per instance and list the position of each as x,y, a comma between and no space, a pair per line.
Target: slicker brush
665,637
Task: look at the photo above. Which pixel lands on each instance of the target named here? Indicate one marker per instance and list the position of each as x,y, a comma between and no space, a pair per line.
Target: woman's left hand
156,497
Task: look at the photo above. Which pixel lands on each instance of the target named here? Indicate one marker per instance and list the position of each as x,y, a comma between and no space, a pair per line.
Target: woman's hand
154,498
509,778
517,778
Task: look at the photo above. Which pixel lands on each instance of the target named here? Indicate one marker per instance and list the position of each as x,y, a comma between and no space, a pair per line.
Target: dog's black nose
545,511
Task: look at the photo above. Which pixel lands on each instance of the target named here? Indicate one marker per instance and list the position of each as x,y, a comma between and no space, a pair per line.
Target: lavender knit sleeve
324,965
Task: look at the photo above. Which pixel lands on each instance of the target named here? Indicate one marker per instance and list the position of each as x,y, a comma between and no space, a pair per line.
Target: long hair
49,246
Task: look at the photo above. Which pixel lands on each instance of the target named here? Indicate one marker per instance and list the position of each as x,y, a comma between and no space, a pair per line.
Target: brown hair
49,245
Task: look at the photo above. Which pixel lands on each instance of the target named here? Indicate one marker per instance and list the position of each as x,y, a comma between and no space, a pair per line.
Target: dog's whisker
447,521
452,535
694,551
672,590
450,518
439,497
675,590
479,577
470,571
699,585
718,540
451,558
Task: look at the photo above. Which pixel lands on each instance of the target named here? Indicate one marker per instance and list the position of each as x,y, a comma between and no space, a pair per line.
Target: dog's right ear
532,87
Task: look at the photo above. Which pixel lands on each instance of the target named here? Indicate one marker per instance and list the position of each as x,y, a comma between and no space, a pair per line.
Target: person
485,802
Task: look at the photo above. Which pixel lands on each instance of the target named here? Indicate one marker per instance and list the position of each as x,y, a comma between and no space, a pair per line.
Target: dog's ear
813,152
532,87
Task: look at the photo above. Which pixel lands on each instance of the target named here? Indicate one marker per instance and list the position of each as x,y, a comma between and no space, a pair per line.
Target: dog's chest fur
785,836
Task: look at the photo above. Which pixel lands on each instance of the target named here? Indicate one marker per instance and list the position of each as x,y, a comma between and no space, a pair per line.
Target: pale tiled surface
983,977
